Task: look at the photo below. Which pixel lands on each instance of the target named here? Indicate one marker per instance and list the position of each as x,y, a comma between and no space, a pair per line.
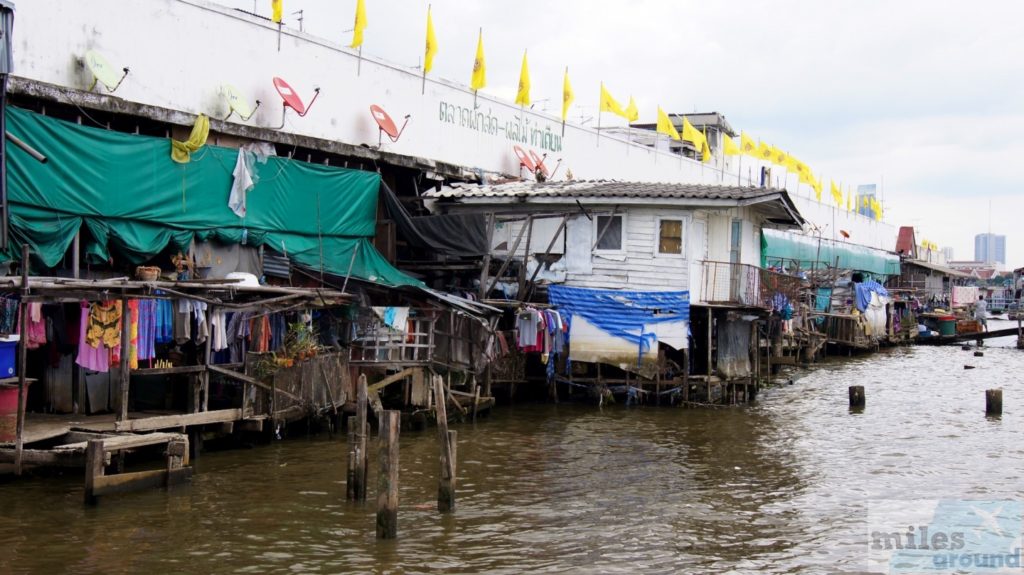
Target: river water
781,486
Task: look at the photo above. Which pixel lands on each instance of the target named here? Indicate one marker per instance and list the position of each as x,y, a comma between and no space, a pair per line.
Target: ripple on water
781,486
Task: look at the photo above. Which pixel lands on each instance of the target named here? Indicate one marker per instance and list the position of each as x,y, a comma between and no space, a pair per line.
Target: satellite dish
524,160
538,161
386,125
292,100
237,104
102,71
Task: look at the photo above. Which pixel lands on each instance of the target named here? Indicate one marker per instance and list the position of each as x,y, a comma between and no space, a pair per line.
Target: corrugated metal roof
604,189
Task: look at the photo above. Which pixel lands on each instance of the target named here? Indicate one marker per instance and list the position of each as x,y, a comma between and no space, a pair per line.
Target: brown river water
780,486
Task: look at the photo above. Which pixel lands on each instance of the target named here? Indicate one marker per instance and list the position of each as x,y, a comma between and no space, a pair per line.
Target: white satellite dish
102,71
237,104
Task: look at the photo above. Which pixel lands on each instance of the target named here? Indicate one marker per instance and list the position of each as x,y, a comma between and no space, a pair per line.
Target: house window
735,241
608,233
670,236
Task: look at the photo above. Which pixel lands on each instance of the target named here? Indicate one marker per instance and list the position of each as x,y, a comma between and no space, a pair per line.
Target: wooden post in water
94,460
353,457
387,478
857,399
446,481
19,424
361,431
993,402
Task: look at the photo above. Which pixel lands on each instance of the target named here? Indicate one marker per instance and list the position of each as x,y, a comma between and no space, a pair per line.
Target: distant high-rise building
865,193
990,248
947,253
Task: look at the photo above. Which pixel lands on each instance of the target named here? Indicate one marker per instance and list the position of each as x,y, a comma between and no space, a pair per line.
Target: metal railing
744,284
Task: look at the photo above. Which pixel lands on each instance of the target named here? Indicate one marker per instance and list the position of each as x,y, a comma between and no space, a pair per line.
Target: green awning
134,199
785,248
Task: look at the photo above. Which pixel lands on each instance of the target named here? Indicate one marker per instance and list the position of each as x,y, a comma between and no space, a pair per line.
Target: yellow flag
748,145
609,104
729,146
764,151
567,95
428,58
632,112
779,157
692,135
816,184
849,201
276,8
837,194
807,177
357,32
705,149
523,95
479,78
665,125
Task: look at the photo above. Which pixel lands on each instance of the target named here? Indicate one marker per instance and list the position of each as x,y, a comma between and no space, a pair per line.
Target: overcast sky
922,97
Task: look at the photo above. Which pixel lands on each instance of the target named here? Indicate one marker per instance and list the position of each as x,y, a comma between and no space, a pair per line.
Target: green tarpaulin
133,199
783,248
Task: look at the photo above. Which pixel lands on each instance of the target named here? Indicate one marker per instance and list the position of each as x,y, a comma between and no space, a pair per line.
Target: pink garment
94,358
36,336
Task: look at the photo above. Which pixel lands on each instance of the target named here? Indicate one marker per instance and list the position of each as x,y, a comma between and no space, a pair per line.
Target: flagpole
599,102
279,25
739,172
565,109
423,88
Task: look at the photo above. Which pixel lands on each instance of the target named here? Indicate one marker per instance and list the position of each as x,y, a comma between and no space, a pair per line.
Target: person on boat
980,312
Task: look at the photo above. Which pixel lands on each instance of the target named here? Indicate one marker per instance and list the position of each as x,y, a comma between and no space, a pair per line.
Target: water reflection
781,486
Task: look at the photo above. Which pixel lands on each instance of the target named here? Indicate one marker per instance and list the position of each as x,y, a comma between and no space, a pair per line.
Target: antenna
386,125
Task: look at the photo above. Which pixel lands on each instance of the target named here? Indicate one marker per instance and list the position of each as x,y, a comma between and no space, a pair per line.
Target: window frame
684,222
595,230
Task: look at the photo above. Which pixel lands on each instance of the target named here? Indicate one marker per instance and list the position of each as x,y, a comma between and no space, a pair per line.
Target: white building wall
639,267
182,51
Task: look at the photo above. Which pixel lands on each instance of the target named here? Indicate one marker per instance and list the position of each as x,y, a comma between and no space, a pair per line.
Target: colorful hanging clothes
9,315
147,329
96,358
133,334
164,321
36,329
104,325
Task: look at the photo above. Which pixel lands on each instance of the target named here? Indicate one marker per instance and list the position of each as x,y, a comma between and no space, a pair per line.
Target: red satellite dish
539,162
292,99
386,124
524,159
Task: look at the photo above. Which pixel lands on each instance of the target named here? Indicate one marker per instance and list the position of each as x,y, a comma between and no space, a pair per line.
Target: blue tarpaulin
622,314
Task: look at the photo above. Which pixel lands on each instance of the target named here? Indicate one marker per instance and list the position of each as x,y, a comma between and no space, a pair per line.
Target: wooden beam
251,381
46,457
511,255
182,420
392,379
124,380
127,482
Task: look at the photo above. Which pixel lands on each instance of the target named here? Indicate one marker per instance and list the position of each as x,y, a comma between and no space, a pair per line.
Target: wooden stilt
19,429
362,431
857,399
446,482
353,458
993,402
387,478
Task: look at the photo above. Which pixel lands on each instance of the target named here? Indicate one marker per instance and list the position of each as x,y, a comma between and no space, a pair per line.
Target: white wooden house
627,235
635,241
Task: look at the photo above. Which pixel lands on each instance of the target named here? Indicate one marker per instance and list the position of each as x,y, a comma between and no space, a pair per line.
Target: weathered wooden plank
445,484
251,380
392,379
182,420
116,442
127,482
46,457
